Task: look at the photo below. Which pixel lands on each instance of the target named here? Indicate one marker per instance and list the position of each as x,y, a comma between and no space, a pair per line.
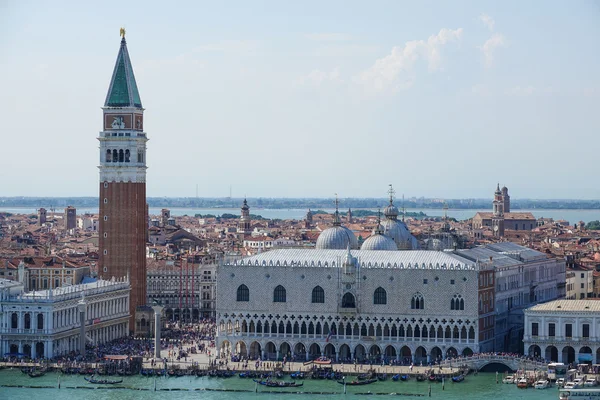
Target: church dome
337,238
391,212
399,233
379,242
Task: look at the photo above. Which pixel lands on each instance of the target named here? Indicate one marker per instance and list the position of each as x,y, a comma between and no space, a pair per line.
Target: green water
482,386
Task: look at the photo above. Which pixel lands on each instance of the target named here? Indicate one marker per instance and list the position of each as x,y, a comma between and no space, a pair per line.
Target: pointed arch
318,295
243,293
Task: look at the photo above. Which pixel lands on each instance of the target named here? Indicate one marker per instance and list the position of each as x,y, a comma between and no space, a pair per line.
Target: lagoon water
481,386
573,216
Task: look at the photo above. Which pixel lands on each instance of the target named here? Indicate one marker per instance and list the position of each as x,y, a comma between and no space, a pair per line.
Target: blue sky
311,98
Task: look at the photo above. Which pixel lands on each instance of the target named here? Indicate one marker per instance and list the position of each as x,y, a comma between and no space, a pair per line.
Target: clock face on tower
495,228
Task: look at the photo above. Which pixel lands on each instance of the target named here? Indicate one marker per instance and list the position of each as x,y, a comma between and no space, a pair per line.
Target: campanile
123,219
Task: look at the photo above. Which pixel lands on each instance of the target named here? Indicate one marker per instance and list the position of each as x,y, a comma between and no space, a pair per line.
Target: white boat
570,385
578,383
560,382
541,384
590,382
508,379
579,394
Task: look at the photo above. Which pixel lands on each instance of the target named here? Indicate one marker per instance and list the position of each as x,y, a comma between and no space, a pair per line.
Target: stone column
157,312
81,306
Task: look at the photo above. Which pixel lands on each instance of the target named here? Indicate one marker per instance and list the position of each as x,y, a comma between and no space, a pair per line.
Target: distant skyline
308,99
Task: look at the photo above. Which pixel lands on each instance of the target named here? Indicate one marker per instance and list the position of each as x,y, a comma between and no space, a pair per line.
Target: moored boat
278,384
510,379
357,383
541,384
522,383
102,381
458,378
36,374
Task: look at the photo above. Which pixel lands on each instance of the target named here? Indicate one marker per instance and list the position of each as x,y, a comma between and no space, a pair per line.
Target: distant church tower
245,221
498,214
122,235
505,199
308,221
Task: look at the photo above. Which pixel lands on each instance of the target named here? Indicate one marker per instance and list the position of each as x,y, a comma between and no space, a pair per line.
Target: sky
442,99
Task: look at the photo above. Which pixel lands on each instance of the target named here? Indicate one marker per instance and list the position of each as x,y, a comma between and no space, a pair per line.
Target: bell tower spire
123,212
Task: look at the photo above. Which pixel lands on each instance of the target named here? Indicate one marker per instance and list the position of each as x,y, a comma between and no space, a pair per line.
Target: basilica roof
379,242
123,91
336,238
417,259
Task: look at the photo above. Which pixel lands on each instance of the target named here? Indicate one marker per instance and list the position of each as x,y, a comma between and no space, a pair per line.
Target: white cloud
317,77
327,37
386,73
487,21
521,91
489,47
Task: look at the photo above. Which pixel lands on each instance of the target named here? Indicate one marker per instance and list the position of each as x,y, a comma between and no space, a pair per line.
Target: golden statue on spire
122,33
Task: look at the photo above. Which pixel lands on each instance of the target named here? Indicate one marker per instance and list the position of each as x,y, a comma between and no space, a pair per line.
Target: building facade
566,331
46,324
186,288
123,211
522,277
409,306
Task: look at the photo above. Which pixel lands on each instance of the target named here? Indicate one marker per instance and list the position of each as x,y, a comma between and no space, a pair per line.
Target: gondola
382,377
404,377
357,383
458,378
278,384
36,374
396,377
102,381
420,378
297,375
432,378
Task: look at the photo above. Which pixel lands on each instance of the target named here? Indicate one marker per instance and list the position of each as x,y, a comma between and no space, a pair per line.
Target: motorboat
560,382
578,383
522,383
509,379
570,385
590,382
541,384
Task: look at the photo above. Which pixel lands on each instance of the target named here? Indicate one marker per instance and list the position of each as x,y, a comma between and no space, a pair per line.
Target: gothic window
243,294
380,296
348,301
279,295
121,156
318,295
108,155
457,302
417,302
14,321
127,155
115,156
